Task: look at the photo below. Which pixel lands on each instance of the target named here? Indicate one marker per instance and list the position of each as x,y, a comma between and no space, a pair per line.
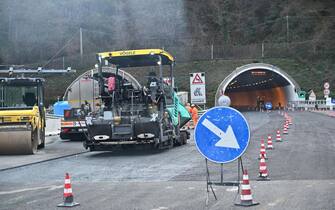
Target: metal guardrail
309,105
52,116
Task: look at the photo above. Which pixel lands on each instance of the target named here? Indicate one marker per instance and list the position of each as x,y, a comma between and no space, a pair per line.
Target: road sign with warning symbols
198,88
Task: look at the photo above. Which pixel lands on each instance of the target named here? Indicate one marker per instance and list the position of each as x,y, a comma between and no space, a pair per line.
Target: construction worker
188,107
194,112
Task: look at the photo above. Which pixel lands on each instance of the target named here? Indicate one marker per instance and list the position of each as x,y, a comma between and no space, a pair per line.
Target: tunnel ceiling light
258,73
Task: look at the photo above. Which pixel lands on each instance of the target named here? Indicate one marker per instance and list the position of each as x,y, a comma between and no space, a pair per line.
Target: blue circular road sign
268,105
222,134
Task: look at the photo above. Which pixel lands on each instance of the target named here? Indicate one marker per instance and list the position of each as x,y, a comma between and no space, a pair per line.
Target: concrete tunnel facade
257,83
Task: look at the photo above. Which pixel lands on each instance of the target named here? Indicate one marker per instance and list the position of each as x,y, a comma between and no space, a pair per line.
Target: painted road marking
52,187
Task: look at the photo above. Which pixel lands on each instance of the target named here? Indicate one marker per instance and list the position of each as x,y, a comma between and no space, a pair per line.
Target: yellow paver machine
149,115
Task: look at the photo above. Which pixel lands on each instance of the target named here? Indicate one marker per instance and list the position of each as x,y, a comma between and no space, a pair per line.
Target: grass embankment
308,76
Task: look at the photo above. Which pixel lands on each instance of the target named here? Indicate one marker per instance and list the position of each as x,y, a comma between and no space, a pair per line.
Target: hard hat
192,105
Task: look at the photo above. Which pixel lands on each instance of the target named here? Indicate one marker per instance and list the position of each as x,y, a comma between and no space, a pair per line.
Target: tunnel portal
250,86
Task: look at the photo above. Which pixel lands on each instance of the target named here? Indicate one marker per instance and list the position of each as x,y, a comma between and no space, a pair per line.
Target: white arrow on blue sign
222,134
268,105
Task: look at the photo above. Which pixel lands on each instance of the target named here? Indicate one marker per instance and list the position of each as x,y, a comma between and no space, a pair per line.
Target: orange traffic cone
263,171
246,195
278,137
262,152
67,196
269,146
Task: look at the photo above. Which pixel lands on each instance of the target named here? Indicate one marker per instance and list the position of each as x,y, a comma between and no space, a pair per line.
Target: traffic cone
287,126
269,146
285,131
290,121
278,137
67,196
246,195
263,171
262,151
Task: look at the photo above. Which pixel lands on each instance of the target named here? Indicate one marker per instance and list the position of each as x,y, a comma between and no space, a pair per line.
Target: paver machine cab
22,112
150,115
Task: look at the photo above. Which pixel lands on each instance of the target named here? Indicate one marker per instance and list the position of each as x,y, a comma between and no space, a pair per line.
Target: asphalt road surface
301,169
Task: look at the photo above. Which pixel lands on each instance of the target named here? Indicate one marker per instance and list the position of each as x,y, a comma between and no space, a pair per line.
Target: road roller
22,111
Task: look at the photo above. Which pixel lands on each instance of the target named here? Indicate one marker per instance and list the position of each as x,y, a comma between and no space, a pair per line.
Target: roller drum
17,139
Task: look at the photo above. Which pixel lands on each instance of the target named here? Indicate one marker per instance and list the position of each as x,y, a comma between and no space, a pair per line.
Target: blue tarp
60,106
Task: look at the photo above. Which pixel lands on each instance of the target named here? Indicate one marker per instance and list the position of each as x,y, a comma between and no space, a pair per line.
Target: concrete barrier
52,126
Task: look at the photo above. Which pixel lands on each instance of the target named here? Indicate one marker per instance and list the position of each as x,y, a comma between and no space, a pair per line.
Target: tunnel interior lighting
258,73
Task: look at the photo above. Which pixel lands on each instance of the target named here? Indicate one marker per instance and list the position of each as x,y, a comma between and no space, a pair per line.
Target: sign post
222,135
326,90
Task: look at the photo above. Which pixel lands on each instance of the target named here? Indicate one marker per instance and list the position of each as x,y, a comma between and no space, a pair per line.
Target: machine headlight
25,119
88,120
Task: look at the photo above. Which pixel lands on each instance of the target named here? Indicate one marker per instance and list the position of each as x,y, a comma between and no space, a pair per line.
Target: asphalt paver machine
130,115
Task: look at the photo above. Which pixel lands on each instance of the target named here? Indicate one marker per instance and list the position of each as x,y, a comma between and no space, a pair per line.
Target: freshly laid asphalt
301,169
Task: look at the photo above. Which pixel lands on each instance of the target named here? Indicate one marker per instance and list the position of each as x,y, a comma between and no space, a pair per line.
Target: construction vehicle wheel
18,140
183,138
34,142
42,137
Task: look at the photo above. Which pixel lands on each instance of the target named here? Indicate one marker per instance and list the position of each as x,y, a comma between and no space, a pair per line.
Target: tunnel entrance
250,86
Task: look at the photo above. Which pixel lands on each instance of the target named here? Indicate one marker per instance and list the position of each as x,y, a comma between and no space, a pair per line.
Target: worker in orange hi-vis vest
194,112
188,107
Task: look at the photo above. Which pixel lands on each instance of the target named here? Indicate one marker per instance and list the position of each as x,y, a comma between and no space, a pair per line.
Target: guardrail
52,116
309,105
